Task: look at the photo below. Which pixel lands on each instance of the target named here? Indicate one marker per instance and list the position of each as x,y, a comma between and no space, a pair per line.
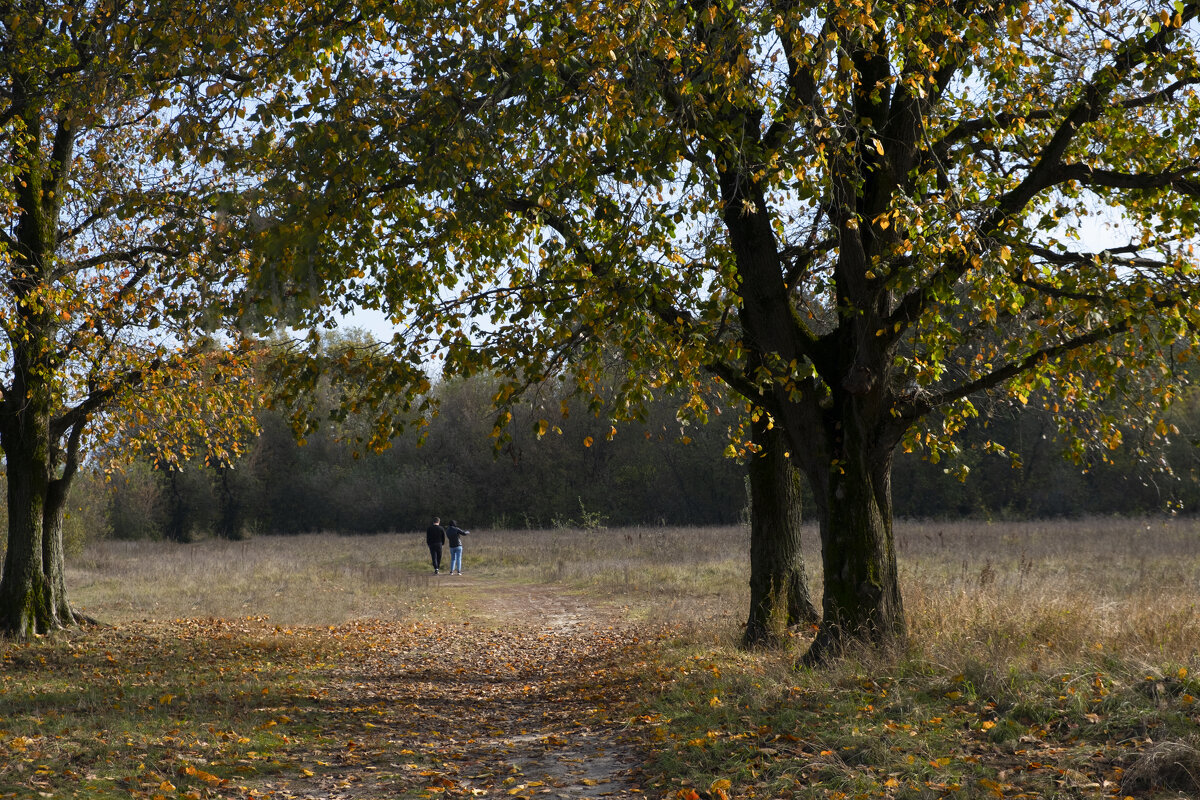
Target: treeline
643,473
640,473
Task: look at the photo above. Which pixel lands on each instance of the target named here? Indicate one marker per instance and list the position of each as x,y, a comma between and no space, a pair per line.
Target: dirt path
522,692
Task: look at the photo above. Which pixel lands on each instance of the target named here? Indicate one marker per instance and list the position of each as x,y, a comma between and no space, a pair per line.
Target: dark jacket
455,536
435,534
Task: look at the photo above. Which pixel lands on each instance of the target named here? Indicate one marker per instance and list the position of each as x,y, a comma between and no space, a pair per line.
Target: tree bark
53,558
32,591
861,601
779,595
27,599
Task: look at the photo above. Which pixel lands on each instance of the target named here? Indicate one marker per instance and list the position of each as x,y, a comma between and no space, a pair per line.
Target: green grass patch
732,724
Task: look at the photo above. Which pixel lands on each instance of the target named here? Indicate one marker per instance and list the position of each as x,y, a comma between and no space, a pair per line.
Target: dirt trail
522,692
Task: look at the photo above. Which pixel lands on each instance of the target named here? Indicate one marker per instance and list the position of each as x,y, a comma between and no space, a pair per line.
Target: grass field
1051,659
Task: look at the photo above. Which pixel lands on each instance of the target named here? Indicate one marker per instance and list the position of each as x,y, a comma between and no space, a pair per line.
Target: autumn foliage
122,249
867,218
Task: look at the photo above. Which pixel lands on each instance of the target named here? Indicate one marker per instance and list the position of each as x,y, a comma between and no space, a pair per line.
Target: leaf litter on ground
201,709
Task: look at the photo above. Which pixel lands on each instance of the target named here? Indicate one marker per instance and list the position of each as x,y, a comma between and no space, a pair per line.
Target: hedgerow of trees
644,475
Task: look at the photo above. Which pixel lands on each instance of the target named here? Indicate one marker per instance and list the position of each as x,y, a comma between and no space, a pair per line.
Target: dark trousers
435,554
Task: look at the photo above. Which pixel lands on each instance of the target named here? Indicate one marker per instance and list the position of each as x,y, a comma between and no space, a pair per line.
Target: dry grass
1045,659
317,580
1036,595
1011,594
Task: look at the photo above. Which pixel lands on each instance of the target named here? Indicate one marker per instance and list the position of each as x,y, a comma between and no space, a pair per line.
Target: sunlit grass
1013,593
1045,659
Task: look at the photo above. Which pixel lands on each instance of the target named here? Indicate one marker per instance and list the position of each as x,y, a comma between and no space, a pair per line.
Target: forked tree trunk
32,589
779,596
861,599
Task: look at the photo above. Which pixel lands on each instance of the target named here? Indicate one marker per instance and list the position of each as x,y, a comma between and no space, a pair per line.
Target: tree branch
927,403
1048,169
1183,181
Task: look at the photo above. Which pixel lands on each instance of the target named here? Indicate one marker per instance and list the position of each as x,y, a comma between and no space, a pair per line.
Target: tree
779,596
119,253
859,215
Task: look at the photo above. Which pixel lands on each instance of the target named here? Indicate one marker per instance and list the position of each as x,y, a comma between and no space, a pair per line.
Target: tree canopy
120,259
864,216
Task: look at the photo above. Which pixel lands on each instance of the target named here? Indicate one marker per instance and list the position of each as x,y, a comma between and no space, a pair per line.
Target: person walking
454,535
435,537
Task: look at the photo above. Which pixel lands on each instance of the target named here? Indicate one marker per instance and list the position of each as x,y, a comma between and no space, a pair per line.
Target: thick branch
97,399
801,81
1182,181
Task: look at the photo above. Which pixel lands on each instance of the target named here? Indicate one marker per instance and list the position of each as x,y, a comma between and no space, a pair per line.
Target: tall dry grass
1028,595
1045,593
310,579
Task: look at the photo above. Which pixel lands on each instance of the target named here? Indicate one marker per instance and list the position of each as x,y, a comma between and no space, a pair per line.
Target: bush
86,516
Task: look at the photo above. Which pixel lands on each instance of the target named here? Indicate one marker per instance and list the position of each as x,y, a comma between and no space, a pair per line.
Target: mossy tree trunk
28,600
26,606
779,595
861,600
32,593
53,515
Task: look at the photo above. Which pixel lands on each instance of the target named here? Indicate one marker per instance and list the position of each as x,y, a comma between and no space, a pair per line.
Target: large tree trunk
861,599
53,557
838,414
31,598
27,601
779,595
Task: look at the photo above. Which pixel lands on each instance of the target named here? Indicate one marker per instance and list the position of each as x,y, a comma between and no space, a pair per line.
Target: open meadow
1046,659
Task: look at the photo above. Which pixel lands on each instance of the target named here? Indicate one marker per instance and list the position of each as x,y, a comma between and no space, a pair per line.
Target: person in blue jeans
454,536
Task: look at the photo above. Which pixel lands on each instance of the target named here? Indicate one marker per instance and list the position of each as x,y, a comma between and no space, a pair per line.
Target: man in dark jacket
435,537
454,535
